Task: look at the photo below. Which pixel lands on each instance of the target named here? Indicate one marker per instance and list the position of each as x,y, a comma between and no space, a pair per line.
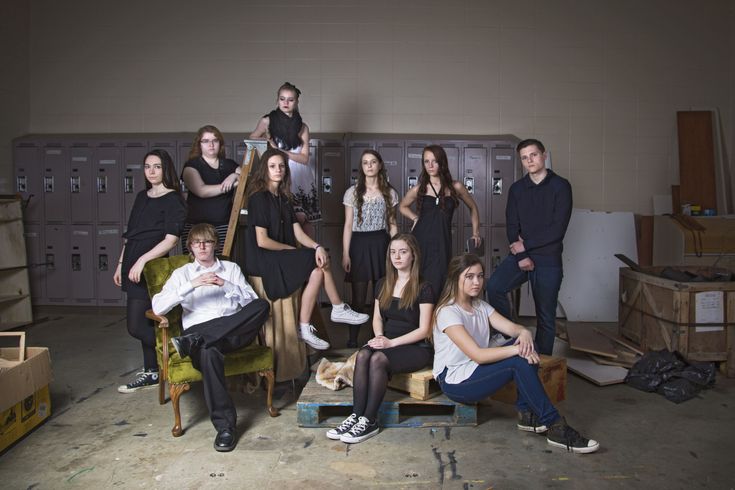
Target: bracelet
120,262
317,247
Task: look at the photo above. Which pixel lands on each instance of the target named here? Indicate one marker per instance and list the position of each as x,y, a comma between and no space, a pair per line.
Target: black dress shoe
225,441
186,343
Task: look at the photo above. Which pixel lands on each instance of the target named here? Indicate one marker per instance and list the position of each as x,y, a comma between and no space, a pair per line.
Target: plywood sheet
585,367
585,338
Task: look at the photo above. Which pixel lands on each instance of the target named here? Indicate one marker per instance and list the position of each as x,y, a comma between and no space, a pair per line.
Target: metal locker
56,200
133,174
353,162
467,234
331,181
108,243
474,179
28,181
58,265
393,154
330,237
452,159
35,260
497,248
184,147
170,145
502,176
80,183
81,260
108,183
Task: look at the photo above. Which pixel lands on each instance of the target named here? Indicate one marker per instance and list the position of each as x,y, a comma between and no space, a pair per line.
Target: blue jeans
489,378
545,284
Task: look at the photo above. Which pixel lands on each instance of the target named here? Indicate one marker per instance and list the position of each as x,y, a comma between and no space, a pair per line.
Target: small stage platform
320,407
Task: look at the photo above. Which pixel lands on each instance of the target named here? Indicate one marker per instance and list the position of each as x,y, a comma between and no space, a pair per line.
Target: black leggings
373,368
143,329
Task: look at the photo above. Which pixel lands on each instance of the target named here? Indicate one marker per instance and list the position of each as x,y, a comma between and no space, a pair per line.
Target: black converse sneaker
528,421
143,379
563,436
363,429
342,428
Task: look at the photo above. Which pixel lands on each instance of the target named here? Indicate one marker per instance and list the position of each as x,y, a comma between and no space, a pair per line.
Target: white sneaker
362,430
342,428
345,314
308,335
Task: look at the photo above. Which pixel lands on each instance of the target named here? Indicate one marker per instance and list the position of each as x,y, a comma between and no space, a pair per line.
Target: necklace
435,193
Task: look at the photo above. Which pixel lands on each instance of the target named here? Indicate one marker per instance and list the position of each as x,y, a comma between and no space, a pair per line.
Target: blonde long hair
410,292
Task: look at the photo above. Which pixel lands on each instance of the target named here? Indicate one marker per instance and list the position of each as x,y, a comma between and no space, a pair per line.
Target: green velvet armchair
179,373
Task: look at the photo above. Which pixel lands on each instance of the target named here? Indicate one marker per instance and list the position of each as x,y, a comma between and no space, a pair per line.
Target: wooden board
238,201
21,336
587,368
553,376
419,384
587,339
319,407
697,179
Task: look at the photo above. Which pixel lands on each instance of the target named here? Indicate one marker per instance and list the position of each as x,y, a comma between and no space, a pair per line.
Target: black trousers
223,335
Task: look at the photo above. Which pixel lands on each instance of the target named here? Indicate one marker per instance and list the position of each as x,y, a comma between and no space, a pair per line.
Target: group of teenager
429,307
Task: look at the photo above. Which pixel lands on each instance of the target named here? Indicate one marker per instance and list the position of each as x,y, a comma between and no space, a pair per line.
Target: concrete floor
98,438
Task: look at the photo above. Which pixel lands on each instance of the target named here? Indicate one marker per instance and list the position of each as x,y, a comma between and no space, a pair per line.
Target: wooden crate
553,374
695,318
420,385
319,407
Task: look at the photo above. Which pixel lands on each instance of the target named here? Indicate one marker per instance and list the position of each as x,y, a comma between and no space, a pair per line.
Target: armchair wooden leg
176,390
161,390
270,381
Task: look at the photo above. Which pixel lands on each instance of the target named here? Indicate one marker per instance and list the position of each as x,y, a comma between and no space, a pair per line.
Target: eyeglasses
206,142
199,243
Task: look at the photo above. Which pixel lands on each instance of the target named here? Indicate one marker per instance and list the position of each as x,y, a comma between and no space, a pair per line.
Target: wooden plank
621,341
697,181
586,339
605,361
588,369
238,199
419,384
553,376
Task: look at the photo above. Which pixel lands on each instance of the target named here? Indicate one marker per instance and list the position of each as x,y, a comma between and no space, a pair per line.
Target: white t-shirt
447,354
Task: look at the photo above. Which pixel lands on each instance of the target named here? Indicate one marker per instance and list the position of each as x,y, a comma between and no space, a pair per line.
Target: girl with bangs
370,221
401,323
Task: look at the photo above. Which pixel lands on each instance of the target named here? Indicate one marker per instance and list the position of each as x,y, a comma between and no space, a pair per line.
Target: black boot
185,344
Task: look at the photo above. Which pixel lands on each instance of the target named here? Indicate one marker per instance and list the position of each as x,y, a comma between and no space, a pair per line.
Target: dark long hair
383,185
444,175
410,292
259,180
196,145
170,179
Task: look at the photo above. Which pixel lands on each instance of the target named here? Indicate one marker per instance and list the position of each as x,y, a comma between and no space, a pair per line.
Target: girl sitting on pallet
473,360
401,322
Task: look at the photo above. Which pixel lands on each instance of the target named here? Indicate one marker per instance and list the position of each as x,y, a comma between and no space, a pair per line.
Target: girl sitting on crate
473,360
401,322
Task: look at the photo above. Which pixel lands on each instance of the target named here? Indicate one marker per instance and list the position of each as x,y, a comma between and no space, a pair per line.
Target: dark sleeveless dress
433,231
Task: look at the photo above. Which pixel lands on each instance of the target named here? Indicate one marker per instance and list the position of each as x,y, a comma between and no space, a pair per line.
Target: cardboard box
24,393
553,375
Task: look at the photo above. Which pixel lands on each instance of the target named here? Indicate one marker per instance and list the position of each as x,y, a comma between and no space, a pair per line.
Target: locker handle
48,183
102,262
50,262
469,183
21,183
129,185
327,184
412,181
76,262
102,184
497,186
76,184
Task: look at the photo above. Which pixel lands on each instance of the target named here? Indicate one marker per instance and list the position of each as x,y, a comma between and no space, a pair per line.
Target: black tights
369,382
359,291
142,329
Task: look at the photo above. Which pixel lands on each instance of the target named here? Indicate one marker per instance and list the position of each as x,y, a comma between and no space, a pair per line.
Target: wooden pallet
320,407
420,385
553,375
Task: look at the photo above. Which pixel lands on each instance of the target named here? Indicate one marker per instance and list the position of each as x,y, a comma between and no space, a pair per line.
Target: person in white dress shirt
221,313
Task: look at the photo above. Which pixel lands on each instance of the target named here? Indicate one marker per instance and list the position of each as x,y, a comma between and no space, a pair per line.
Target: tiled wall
600,81
14,83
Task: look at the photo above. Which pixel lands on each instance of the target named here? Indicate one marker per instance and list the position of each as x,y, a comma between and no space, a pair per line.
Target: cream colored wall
598,81
14,83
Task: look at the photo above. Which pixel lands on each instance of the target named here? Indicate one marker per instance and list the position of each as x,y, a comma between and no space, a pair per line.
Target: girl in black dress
272,237
154,226
284,129
210,178
370,221
437,196
402,323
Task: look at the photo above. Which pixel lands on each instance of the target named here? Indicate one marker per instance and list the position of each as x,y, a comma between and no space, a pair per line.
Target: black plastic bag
670,375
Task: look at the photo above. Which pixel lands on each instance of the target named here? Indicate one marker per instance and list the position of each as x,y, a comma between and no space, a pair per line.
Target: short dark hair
530,142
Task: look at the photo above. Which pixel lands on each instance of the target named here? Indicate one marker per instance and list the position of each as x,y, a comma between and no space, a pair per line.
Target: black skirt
367,256
284,271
